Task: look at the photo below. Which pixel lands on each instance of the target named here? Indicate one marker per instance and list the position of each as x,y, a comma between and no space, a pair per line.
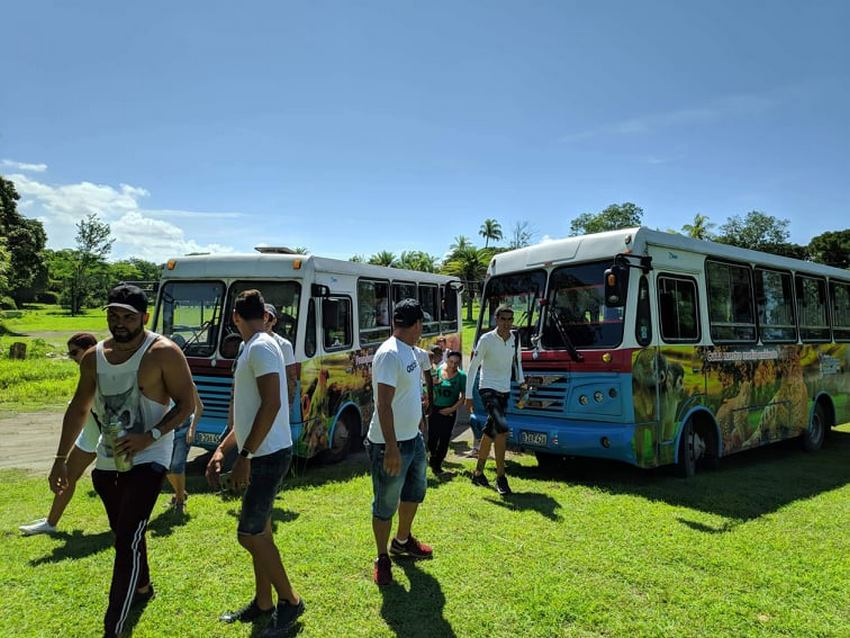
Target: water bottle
113,431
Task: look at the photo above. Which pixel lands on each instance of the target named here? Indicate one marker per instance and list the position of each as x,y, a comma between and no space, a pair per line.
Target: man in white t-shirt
497,354
394,441
262,434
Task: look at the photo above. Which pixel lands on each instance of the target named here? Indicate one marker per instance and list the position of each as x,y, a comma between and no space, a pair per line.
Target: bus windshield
576,307
285,296
190,315
522,292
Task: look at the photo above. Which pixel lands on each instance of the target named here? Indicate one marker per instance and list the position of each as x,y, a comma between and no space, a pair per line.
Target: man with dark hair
139,389
81,456
497,354
394,441
260,409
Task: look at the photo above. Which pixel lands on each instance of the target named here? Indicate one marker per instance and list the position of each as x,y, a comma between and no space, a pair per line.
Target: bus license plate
207,437
534,438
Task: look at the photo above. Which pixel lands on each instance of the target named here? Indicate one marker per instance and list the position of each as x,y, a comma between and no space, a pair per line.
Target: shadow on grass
418,612
745,487
302,472
520,501
79,545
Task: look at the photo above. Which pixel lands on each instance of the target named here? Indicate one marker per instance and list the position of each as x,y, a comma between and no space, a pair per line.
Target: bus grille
549,394
215,395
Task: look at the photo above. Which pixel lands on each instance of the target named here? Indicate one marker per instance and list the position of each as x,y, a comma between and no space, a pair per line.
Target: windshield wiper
555,314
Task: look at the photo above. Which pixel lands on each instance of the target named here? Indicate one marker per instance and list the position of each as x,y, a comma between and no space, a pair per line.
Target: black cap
406,313
129,297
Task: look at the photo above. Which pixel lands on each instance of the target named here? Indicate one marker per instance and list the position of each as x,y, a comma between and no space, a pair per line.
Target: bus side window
336,323
840,293
310,331
643,323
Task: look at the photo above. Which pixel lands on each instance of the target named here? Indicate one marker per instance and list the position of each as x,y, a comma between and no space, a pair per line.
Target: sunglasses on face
73,353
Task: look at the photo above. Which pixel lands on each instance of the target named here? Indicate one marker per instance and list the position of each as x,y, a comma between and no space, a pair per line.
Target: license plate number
206,437
534,438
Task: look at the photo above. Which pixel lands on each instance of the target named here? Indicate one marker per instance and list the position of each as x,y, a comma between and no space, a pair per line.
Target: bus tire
548,461
341,442
812,438
686,465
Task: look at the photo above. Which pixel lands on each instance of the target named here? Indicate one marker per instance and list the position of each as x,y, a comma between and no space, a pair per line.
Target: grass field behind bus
46,378
758,548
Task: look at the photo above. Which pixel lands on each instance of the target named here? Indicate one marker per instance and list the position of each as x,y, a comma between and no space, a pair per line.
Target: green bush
7,303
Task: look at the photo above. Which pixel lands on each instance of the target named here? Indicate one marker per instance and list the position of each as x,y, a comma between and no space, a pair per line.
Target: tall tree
418,260
470,264
5,271
25,241
700,228
490,229
460,243
90,276
760,231
134,269
831,248
383,258
521,236
357,259
615,217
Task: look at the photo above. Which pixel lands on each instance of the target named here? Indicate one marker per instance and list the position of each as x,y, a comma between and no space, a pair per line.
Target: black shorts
496,404
267,473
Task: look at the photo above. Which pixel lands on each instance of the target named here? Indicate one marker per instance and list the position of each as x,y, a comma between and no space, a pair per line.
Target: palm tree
470,264
490,229
700,229
460,243
384,258
418,260
301,250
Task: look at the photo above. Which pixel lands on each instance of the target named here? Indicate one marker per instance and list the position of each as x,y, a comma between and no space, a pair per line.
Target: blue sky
352,127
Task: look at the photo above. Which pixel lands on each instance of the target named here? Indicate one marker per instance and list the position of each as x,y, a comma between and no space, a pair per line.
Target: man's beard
128,335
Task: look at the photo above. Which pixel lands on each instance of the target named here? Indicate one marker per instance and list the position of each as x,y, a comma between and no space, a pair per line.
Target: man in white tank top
143,382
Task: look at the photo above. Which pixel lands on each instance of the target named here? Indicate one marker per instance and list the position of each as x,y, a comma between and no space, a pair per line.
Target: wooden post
18,350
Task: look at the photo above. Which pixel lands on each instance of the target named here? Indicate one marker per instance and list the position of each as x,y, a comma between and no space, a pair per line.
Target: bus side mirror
616,281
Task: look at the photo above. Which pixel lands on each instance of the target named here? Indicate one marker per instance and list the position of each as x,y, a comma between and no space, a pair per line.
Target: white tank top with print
118,395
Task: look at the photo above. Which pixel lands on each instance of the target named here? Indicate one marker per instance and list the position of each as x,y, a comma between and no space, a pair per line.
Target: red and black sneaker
412,547
383,572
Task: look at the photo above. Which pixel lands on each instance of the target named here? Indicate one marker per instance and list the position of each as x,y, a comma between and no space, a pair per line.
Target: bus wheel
340,443
691,449
812,438
547,461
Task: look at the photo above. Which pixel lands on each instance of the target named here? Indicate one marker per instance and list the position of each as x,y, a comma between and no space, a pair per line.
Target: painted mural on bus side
757,395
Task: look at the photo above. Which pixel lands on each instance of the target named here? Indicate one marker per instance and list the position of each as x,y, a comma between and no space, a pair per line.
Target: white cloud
138,232
23,166
156,239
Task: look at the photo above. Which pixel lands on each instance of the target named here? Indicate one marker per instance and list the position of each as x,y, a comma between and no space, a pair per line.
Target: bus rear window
576,301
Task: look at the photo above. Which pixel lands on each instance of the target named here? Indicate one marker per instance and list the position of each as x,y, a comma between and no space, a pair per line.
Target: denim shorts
408,486
267,473
180,451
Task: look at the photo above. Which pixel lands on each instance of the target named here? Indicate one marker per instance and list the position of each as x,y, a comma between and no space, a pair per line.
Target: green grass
50,318
757,548
46,377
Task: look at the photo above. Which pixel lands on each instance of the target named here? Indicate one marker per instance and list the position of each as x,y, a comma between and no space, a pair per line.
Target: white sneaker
41,526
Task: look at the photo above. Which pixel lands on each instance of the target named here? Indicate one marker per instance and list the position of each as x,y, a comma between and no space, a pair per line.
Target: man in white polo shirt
497,354
394,441
261,433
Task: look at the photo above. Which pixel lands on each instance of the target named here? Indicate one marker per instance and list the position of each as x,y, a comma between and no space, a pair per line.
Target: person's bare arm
196,417
213,472
268,387
74,420
290,382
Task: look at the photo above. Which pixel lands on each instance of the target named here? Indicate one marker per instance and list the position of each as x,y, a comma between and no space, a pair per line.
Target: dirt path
28,439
